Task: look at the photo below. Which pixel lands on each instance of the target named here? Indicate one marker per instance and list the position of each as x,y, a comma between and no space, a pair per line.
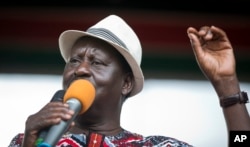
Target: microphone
79,96
58,96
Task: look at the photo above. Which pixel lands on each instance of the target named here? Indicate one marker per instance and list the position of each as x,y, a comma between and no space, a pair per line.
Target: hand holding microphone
79,96
58,96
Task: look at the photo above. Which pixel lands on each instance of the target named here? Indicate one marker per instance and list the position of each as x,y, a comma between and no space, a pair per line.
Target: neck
101,129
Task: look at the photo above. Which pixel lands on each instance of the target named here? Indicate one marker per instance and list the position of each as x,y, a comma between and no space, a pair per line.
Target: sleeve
16,140
165,141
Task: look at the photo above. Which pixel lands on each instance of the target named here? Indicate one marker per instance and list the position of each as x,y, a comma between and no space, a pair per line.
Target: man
108,55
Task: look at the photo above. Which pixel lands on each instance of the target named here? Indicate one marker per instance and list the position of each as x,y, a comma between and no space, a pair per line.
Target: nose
83,70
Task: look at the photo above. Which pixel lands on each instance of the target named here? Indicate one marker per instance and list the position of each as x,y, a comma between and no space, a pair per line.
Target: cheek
107,77
109,83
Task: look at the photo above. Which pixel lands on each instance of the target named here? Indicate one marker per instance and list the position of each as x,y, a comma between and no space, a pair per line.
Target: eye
73,61
96,63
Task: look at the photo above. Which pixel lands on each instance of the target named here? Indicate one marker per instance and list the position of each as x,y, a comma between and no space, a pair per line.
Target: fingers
57,110
206,37
49,115
212,33
206,33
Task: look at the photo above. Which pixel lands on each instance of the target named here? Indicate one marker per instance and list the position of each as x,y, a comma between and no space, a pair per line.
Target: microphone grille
83,90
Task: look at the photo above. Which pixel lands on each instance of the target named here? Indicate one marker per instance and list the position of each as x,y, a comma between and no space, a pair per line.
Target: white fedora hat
120,35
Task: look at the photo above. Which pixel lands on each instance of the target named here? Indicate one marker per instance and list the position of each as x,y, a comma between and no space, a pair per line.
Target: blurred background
29,33
30,57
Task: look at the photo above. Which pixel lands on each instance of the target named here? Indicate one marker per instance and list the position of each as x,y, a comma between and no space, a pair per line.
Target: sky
182,109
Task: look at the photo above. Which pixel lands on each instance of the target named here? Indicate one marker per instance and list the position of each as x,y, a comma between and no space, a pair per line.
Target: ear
128,84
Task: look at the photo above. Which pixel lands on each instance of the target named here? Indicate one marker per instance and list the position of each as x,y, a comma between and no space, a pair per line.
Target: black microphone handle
55,132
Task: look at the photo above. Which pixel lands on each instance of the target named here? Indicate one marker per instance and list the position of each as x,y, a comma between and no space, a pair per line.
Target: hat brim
69,37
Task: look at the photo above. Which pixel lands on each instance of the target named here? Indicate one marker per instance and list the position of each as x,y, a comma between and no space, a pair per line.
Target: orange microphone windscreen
83,91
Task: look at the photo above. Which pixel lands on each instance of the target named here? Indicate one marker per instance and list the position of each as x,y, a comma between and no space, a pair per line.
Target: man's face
98,62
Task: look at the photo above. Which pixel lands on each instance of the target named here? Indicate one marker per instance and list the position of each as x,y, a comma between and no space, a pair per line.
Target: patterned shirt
123,139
